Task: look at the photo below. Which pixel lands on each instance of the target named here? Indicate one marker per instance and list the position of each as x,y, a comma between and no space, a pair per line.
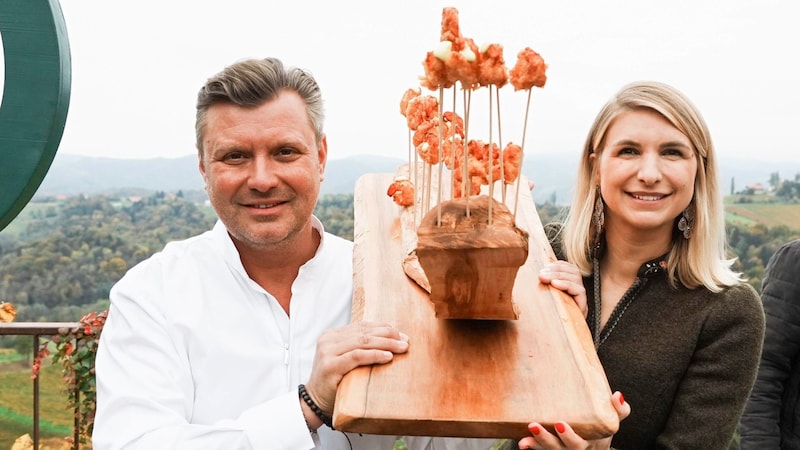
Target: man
208,341
771,418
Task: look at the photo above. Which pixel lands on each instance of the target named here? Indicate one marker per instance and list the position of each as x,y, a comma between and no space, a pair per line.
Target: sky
137,67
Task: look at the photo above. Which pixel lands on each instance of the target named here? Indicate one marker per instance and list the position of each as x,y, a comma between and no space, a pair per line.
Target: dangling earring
686,222
598,217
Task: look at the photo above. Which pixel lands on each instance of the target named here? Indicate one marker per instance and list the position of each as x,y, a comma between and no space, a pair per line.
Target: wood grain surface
469,378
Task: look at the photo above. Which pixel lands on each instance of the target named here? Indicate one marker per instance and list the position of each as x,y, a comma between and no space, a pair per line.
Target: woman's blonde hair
698,261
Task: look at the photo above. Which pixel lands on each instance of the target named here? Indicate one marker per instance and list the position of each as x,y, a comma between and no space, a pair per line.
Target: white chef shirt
196,355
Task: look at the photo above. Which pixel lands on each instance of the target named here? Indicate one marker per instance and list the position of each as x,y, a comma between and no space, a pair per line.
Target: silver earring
598,217
686,222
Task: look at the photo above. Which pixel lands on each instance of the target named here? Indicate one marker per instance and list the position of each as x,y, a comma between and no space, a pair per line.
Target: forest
60,258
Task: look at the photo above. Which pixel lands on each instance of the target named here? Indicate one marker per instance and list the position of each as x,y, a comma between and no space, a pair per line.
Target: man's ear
322,154
202,167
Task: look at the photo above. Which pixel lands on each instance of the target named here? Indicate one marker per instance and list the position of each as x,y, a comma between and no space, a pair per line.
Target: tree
774,179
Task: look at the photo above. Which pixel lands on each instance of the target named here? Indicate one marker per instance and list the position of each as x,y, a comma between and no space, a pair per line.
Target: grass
8,355
16,404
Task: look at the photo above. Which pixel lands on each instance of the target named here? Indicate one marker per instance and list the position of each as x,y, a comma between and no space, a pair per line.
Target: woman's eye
628,151
673,152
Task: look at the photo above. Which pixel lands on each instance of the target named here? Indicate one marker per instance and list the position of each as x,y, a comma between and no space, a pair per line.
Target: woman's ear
593,163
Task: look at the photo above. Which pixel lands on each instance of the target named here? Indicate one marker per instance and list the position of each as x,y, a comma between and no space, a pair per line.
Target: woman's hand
566,438
566,277
341,350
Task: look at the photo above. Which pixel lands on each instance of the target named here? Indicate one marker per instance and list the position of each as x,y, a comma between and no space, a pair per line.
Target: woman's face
646,171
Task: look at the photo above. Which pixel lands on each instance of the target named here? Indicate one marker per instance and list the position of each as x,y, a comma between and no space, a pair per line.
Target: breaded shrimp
491,66
426,131
407,96
495,152
420,109
463,65
454,123
436,75
453,151
529,70
474,185
402,191
429,151
512,160
451,30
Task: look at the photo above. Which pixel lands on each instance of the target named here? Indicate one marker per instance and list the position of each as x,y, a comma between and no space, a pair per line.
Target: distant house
755,189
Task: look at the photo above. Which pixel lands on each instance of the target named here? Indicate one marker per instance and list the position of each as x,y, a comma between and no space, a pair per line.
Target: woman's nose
650,169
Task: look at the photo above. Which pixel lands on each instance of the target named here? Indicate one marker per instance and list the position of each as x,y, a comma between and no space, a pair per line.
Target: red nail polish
535,430
621,399
560,427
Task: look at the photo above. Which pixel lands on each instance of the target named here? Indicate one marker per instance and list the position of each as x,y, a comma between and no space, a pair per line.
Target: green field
16,403
769,214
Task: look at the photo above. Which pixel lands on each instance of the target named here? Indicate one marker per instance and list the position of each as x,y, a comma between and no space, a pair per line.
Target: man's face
263,170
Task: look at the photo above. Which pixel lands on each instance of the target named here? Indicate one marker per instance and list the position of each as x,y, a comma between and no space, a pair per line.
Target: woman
677,330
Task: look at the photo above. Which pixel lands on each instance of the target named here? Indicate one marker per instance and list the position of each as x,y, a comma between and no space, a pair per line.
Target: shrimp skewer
412,159
529,71
442,137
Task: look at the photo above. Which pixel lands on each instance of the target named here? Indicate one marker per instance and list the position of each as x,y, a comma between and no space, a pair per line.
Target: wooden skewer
453,154
439,160
491,158
522,150
466,182
500,144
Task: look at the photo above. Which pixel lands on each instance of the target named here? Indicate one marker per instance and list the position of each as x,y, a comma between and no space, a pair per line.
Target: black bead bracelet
314,407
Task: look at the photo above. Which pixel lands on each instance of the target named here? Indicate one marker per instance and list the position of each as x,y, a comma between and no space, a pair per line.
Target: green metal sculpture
35,101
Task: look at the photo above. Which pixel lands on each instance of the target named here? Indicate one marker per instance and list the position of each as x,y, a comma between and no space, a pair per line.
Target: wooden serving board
468,378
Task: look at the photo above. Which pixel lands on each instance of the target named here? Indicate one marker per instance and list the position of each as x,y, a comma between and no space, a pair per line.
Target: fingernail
621,399
560,427
545,271
535,430
403,337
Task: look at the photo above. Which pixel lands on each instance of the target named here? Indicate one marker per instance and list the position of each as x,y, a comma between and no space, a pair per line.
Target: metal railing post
35,397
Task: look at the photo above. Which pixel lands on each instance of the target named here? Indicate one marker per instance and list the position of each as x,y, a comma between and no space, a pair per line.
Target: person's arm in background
780,293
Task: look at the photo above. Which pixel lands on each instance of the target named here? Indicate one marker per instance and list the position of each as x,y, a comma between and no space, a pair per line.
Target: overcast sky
137,66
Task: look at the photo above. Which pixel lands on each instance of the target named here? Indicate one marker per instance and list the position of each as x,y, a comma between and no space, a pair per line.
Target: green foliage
75,349
72,252
788,190
753,245
336,213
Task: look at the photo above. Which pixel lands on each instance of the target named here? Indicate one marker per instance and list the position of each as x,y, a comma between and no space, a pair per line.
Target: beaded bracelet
317,410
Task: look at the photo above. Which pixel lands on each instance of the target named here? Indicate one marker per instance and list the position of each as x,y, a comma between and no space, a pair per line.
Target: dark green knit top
685,360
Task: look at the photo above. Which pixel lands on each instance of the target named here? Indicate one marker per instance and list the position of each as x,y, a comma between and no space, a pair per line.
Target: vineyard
768,214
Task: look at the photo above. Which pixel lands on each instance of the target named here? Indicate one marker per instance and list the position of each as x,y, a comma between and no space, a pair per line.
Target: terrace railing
37,330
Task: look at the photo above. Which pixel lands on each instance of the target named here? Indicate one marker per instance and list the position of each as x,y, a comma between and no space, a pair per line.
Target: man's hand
341,350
